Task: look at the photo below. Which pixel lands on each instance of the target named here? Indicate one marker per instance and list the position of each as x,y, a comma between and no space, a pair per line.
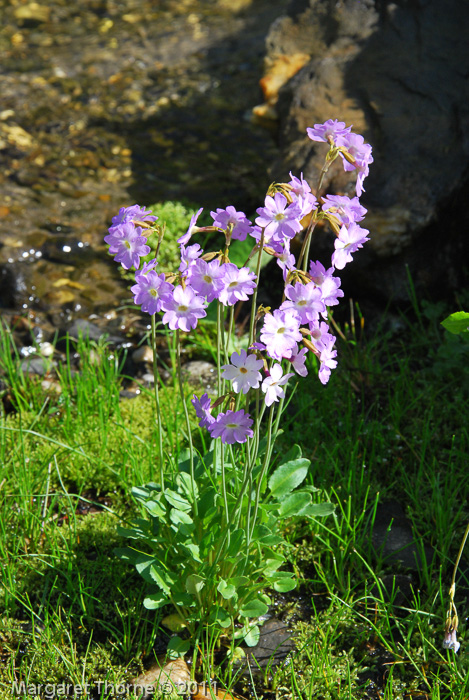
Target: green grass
392,423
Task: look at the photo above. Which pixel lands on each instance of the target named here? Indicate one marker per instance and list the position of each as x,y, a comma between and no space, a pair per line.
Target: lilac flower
192,228
305,299
280,332
134,213
127,245
349,240
279,218
328,132
325,280
450,641
148,266
231,427
298,359
361,152
243,373
207,278
302,195
272,385
324,343
202,410
326,358
188,255
238,284
286,262
183,308
347,210
224,217
149,291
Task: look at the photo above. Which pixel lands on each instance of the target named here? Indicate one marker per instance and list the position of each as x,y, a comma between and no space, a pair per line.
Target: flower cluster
287,334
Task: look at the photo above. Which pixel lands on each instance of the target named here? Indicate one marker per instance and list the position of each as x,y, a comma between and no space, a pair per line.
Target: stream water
106,103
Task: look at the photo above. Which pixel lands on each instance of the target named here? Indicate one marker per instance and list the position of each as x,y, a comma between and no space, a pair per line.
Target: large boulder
397,71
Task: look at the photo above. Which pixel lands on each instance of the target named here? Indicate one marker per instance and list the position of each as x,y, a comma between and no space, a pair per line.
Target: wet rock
86,329
200,373
275,643
393,538
36,365
396,71
143,354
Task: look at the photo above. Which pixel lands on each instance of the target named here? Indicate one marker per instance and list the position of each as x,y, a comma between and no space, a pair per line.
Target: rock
35,365
397,72
143,354
393,538
275,643
86,329
200,373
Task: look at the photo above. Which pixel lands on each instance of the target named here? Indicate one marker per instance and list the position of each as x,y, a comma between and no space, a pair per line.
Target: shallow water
105,104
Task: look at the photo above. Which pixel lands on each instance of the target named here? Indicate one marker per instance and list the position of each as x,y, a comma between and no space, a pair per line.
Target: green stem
157,402
186,415
254,296
263,471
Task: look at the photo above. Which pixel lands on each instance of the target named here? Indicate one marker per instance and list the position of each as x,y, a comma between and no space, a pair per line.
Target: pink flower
347,210
349,240
192,228
328,284
238,284
298,359
328,132
272,385
127,245
206,278
231,427
150,290
183,309
279,218
355,145
229,216
305,299
243,373
202,410
280,332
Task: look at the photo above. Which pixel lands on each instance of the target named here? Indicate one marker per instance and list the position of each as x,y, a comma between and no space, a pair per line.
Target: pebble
143,354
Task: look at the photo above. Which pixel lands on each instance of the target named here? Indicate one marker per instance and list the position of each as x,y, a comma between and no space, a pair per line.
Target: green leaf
457,322
131,532
221,616
318,510
156,509
158,576
176,500
252,636
294,504
178,647
127,554
194,551
155,601
288,476
284,585
253,608
236,540
194,584
179,516
227,590
187,486
271,566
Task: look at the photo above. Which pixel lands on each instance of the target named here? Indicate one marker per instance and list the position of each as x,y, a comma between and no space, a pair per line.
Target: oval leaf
288,476
457,322
294,504
254,608
318,510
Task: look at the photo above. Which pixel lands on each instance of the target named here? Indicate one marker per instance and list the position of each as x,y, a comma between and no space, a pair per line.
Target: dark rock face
399,73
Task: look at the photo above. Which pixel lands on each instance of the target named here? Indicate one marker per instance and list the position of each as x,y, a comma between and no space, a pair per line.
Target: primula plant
210,543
